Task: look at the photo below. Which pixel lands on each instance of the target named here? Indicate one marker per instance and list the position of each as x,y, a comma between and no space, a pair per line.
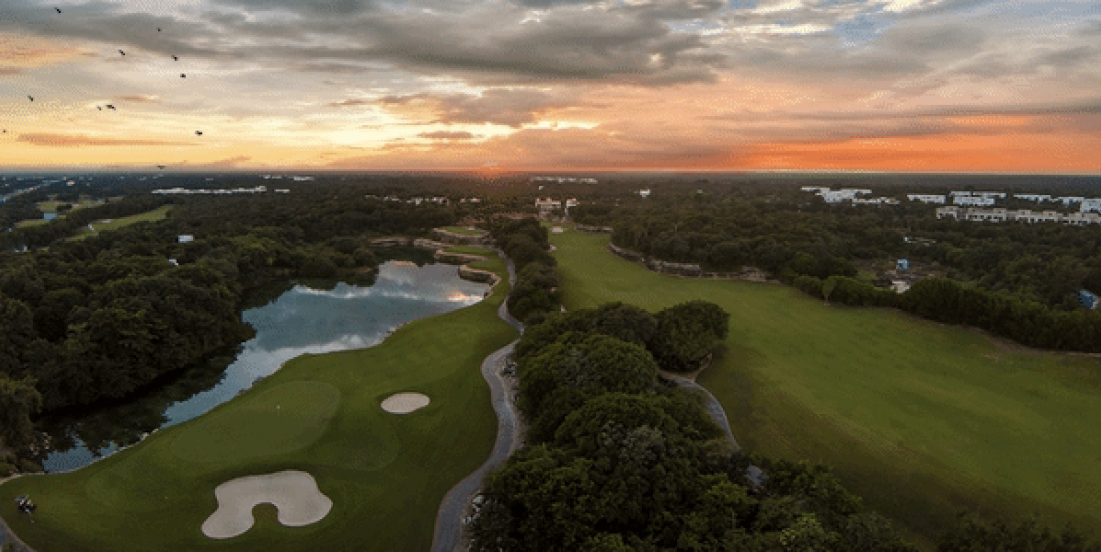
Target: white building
1038,198
545,206
974,201
1090,205
1067,201
1082,219
927,198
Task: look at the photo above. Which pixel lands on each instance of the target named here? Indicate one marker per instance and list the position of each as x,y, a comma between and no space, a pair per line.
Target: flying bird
111,107
58,10
98,108
31,97
199,132
121,52
160,166
183,76
174,58
158,29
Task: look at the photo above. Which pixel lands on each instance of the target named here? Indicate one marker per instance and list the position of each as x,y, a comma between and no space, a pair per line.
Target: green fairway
919,418
100,226
463,231
385,473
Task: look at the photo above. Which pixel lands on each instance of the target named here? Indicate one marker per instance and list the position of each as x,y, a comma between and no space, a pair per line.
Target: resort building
927,198
973,201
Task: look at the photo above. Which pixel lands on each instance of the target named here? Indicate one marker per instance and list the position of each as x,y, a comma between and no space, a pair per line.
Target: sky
983,86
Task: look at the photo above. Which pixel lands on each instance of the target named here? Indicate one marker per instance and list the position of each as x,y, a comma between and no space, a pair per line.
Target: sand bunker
293,493
404,403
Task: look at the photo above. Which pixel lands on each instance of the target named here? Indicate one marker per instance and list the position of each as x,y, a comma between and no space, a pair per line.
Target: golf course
107,225
920,419
319,417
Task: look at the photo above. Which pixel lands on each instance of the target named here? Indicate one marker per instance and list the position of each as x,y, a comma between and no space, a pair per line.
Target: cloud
140,98
305,7
229,162
351,102
77,140
446,135
502,106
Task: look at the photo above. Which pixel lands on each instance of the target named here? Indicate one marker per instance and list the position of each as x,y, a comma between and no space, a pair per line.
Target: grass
50,206
919,418
155,215
385,473
469,250
463,231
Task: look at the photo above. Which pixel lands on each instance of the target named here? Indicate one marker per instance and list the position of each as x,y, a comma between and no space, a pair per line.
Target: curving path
453,507
714,409
7,536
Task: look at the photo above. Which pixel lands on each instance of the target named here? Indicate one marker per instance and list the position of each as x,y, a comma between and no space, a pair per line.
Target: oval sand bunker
293,493
404,403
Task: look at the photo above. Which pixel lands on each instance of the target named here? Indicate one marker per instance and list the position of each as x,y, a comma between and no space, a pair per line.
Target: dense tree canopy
618,460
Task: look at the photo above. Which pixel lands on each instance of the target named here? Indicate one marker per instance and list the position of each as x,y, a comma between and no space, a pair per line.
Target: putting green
385,474
279,420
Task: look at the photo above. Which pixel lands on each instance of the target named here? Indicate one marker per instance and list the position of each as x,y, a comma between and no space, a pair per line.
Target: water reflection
301,320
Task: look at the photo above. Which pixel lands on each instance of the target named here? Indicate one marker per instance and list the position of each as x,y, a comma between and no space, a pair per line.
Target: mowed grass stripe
920,418
385,473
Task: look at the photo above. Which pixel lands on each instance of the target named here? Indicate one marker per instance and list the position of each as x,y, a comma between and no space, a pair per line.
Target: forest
83,322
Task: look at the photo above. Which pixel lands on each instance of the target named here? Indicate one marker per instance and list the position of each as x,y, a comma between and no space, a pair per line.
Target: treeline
98,319
617,458
944,300
784,230
527,243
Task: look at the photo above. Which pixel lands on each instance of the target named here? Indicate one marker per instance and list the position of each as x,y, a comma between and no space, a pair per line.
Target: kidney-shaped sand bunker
293,493
404,403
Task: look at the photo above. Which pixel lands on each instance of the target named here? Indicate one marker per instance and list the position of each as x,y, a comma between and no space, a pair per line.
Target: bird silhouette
198,133
58,10
98,108
183,76
160,166
31,97
174,58
121,52
111,107
158,29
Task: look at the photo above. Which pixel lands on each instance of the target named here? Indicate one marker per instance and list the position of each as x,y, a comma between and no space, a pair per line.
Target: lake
301,320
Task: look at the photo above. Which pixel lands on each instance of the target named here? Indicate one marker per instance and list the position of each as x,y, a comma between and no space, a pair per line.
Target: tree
19,400
971,535
687,333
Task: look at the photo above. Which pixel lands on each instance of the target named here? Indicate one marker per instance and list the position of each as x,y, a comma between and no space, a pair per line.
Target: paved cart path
453,507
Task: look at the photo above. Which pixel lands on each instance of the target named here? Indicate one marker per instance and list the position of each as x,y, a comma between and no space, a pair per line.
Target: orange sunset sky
542,85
